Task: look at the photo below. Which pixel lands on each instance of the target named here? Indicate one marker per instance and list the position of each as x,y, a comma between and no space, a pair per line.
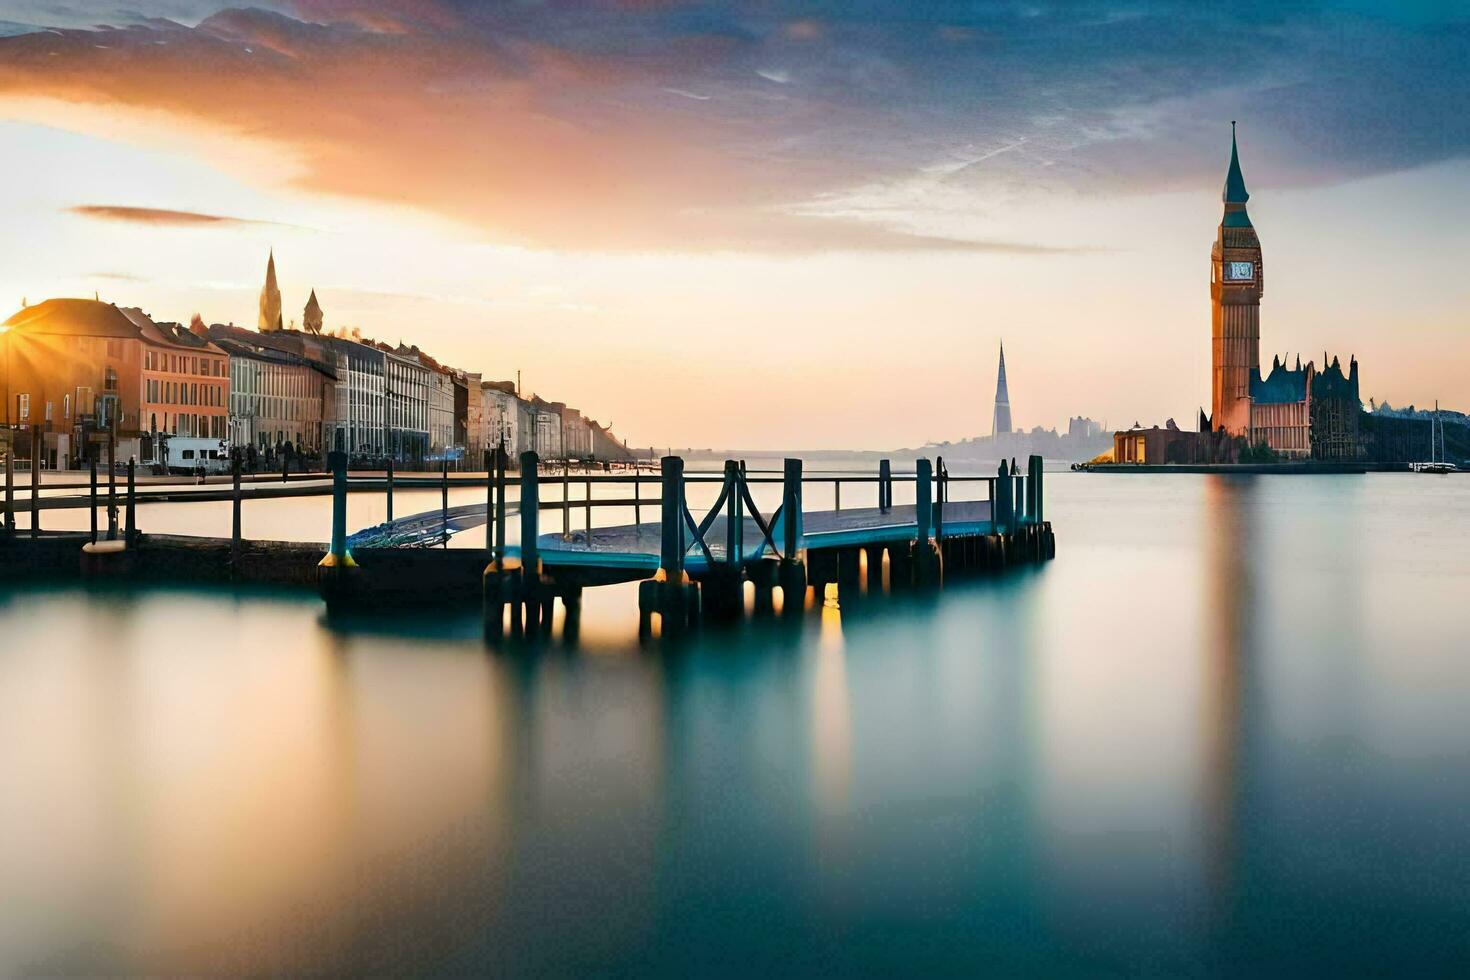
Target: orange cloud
531,142
159,216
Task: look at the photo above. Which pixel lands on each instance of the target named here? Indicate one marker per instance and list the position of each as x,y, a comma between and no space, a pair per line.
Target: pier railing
1014,499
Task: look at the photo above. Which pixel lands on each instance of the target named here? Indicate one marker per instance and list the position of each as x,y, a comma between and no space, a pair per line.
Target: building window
110,384
23,407
48,411
66,407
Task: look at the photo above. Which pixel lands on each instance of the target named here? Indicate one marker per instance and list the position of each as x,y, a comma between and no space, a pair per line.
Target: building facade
406,388
1278,410
442,443
468,415
506,419
361,414
1236,287
277,399
71,366
576,436
547,428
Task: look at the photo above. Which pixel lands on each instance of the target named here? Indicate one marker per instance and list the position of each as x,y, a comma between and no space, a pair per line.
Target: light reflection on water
1223,731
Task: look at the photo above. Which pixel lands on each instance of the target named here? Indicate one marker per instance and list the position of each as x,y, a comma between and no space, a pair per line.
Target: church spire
312,318
270,299
1235,192
1001,421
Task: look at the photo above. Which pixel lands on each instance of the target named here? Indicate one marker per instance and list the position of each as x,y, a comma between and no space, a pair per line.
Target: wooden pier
727,562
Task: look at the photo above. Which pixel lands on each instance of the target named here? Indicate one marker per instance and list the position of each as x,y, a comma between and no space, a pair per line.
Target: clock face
1240,271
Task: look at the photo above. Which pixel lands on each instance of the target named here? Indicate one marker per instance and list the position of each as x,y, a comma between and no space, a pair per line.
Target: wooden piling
489,461
339,554
1034,507
390,489
923,498
566,499
130,533
112,479
672,543
500,502
92,472
885,486
792,572
530,509
926,563
1001,515
10,491
501,582
444,497
35,480
733,520
235,501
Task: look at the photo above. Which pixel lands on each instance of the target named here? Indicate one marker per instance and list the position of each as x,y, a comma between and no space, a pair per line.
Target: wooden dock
728,562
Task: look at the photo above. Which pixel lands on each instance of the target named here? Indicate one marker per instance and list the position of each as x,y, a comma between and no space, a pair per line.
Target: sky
761,223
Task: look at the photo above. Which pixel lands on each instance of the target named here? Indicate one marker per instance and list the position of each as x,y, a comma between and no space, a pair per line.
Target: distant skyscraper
312,318
1000,423
270,299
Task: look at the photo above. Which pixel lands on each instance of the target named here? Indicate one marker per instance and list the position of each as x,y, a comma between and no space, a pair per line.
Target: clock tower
1235,306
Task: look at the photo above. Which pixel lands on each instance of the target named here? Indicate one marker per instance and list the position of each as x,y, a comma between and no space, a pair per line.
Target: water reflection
1227,705
1231,592
831,718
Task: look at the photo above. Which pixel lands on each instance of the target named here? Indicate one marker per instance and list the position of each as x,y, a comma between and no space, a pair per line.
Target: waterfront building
71,366
360,416
506,419
406,387
468,414
547,428
277,398
1299,412
270,298
441,416
576,436
1000,421
1156,445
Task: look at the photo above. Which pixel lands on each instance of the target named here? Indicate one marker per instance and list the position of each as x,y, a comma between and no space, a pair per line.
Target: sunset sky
761,223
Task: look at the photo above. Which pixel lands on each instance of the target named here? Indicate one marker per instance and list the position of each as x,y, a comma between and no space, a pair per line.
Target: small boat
1441,465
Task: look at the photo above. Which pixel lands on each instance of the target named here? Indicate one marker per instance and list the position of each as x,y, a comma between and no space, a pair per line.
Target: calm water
1225,731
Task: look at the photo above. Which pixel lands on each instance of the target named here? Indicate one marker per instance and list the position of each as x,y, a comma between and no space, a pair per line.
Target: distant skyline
723,223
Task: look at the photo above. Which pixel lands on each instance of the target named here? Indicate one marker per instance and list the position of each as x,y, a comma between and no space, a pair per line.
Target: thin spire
1001,420
1235,192
270,298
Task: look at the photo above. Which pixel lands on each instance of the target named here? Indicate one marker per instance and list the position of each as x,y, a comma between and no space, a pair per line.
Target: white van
183,454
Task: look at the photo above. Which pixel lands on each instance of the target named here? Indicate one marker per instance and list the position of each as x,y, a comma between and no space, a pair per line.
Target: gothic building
1299,412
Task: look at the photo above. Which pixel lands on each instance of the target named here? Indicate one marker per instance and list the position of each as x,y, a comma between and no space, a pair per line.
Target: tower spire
312,318
1000,423
270,299
1235,192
